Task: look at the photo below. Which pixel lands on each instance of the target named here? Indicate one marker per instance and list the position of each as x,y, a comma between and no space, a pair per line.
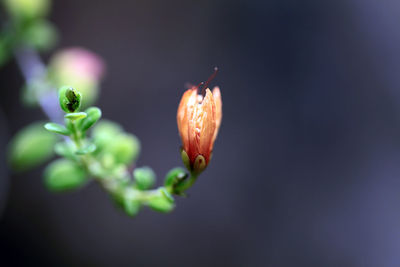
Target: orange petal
208,125
187,102
218,110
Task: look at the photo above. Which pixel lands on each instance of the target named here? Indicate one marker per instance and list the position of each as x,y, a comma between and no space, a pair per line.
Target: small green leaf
86,150
93,115
175,176
65,150
144,177
64,174
124,148
161,203
75,116
56,128
131,207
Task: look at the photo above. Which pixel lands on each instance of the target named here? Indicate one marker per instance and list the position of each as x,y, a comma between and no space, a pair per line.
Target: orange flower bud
199,119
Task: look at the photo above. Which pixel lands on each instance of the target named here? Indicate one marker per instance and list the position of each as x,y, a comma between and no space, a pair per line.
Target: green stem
182,187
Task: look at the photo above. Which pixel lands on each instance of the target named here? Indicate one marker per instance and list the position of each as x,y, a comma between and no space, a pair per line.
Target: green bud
175,176
56,128
161,203
124,148
144,177
70,99
31,146
27,9
64,174
93,115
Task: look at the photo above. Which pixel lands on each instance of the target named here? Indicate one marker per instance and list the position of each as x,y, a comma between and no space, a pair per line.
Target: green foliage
163,202
40,34
31,146
93,115
56,128
27,9
64,174
124,148
144,177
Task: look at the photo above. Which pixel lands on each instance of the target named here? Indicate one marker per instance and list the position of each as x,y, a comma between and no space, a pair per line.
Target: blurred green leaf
161,204
86,150
144,177
27,9
124,148
65,150
31,146
104,132
131,207
40,34
64,174
56,128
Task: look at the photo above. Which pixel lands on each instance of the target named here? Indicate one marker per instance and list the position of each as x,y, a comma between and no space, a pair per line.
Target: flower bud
199,120
70,99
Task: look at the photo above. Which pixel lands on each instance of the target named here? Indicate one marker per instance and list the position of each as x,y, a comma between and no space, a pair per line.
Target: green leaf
124,148
65,150
31,146
86,150
104,132
131,207
144,177
93,115
63,174
56,128
161,203
75,116
40,34
175,176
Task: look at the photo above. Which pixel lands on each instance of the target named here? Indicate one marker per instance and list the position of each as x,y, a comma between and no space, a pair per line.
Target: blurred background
305,170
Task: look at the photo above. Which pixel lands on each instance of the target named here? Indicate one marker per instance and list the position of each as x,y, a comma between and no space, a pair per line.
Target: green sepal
56,128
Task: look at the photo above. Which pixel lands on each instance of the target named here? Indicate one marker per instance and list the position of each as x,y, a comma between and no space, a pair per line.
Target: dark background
306,167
